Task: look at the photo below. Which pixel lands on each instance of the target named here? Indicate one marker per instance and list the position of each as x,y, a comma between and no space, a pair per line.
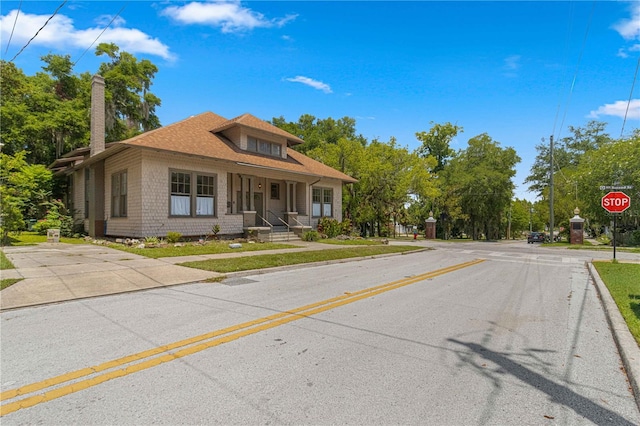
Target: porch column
291,195
251,196
243,189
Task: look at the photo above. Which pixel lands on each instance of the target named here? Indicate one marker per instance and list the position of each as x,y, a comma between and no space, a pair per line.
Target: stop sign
616,202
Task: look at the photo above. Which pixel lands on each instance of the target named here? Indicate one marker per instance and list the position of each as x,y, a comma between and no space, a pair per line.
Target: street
464,334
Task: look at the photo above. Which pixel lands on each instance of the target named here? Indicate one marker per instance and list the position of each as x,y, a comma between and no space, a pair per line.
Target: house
240,174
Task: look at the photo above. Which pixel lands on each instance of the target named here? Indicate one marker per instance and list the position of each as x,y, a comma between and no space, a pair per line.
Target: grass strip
6,282
272,260
5,263
359,242
193,250
586,246
33,238
623,282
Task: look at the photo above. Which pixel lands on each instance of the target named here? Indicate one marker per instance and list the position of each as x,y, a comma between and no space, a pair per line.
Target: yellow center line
195,344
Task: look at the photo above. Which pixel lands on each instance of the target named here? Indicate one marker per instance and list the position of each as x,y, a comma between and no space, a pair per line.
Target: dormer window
264,147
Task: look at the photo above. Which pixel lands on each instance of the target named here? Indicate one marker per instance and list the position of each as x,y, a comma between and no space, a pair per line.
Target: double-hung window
322,202
192,194
205,195
119,194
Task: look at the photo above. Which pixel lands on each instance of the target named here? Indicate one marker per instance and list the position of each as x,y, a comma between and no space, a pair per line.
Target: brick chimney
97,115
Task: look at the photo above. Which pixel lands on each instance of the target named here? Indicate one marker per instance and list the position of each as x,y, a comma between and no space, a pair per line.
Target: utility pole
551,187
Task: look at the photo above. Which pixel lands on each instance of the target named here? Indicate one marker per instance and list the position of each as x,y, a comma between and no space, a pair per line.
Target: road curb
627,346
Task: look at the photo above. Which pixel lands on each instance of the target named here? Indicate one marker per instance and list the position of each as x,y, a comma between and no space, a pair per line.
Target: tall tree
47,114
481,178
23,187
616,163
130,105
437,143
315,131
567,152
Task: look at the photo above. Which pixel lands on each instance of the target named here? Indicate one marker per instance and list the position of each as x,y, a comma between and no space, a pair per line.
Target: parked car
536,237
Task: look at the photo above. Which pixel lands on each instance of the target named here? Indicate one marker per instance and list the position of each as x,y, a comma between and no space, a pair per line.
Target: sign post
615,202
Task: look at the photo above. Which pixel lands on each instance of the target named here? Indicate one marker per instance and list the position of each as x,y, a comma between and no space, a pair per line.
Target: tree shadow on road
558,393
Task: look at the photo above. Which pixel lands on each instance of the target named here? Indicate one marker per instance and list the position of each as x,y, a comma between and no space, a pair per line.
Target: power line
100,35
566,56
37,32
14,27
630,96
575,75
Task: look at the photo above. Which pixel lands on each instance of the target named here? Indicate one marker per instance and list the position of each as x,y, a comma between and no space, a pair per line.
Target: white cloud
61,33
230,16
630,28
619,109
311,82
512,62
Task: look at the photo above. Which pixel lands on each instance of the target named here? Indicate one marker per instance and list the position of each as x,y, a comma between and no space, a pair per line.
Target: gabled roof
201,136
250,121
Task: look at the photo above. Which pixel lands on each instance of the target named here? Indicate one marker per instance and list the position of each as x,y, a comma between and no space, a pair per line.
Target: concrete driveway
55,272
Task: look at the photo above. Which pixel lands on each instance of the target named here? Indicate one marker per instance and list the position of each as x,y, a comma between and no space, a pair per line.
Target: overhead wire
566,56
37,32
100,35
626,113
14,27
575,75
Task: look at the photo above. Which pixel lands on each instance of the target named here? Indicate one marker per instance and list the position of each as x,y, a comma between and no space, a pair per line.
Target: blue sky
519,71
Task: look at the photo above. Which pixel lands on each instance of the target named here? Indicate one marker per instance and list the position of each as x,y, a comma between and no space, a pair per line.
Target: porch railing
282,221
297,221
270,227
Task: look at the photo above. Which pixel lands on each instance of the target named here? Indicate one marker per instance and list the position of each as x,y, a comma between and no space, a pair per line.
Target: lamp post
530,225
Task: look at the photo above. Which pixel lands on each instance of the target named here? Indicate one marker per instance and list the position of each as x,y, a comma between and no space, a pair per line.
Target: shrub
346,227
11,219
215,229
173,237
311,236
634,239
151,240
57,217
329,227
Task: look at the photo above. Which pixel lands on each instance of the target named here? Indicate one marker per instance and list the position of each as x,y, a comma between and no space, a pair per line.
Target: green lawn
33,238
623,282
295,258
6,282
197,249
4,262
358,242
587,246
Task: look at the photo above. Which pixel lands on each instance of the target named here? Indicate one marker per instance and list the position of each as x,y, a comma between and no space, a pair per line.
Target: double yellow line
95,375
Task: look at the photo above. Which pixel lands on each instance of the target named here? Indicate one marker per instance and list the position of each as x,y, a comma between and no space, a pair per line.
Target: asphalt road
426,338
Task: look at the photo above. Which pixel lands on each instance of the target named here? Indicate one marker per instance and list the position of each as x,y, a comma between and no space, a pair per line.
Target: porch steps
283,237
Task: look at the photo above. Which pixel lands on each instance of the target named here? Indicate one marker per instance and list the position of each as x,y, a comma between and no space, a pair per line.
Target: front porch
288,228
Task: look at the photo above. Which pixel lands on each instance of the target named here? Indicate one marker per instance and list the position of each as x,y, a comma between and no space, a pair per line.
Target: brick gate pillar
577,228
430,227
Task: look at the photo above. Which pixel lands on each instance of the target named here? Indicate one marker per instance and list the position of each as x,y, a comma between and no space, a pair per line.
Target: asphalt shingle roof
201,135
